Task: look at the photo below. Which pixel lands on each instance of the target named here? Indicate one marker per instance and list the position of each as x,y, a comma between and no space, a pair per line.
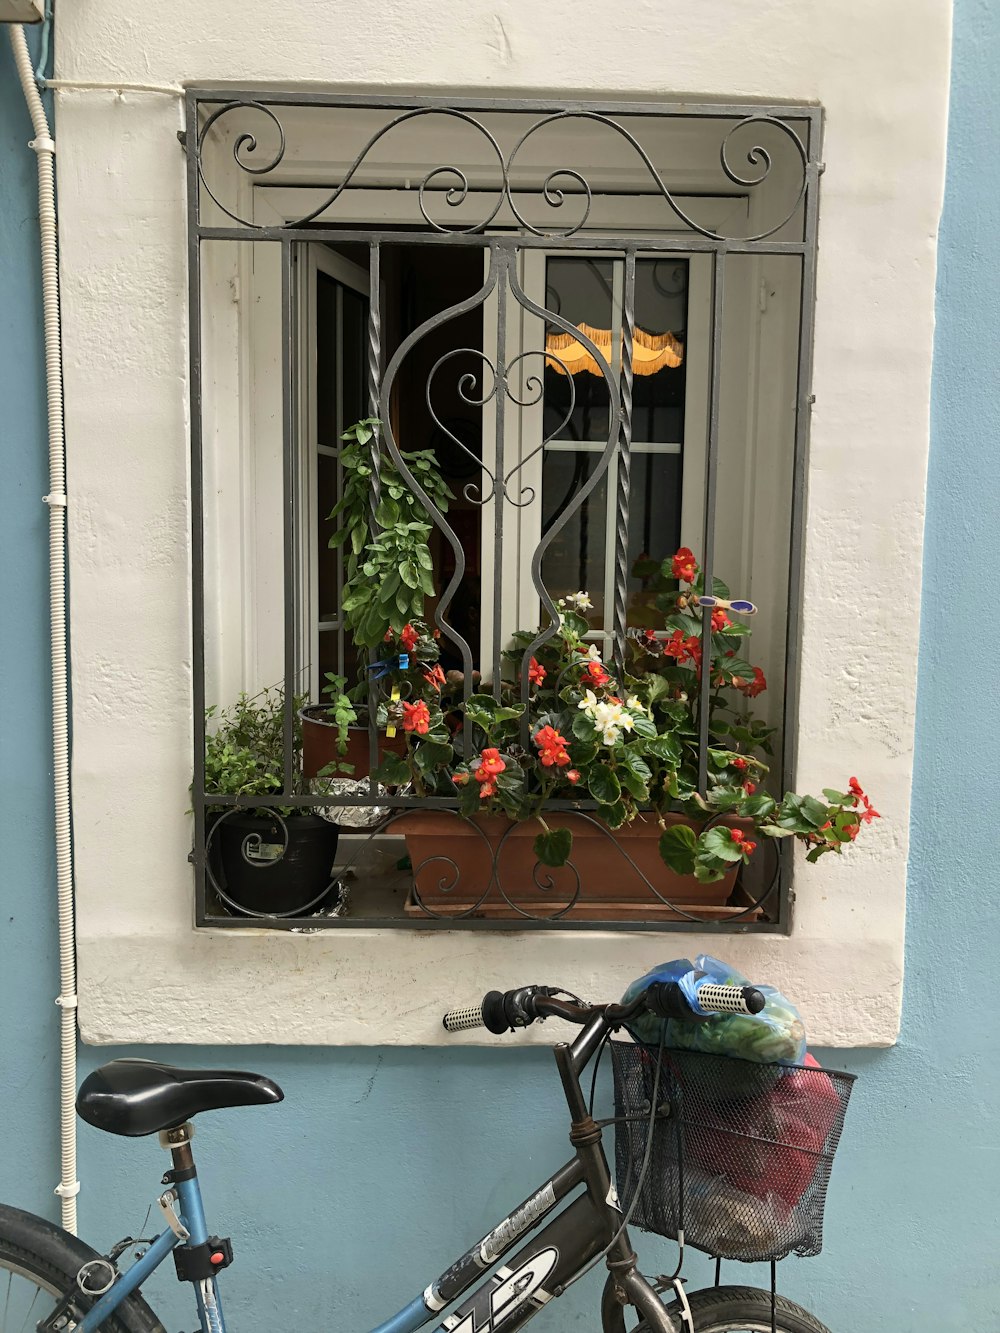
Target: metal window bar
800,126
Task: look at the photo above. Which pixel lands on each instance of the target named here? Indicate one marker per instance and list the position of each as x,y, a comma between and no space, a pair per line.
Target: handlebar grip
461,1020
666,999
730,999
489,1013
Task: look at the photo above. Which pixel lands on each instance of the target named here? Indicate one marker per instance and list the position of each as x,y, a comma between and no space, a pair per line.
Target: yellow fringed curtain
650,351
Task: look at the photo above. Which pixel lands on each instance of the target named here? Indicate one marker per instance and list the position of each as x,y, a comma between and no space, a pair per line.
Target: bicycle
574,1219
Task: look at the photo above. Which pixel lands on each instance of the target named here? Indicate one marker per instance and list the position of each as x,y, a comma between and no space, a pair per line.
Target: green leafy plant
388,560
245,747
628,743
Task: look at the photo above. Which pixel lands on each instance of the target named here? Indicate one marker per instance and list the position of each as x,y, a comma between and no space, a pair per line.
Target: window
462,301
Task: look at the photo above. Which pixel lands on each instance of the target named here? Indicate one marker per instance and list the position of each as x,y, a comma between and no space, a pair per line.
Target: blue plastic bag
774,1036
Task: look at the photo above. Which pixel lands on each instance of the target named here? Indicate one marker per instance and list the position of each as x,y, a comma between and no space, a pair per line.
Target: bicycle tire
43,1255
744,1310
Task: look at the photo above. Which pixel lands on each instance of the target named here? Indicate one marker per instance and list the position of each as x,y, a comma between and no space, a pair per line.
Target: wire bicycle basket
741,1152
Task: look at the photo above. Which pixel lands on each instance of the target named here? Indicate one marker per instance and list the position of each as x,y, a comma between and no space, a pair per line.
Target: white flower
610,735
579,601
633,702
589,702
593,654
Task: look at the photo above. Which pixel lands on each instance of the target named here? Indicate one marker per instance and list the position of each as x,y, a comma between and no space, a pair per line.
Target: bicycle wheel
38,1264
744,1310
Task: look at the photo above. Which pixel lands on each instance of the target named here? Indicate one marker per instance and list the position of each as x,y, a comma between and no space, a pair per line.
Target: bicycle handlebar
503,1011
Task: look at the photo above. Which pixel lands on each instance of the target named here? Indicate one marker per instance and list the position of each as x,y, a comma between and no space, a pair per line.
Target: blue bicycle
52,1281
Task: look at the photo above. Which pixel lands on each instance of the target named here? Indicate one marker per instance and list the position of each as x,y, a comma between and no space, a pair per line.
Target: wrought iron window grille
506,201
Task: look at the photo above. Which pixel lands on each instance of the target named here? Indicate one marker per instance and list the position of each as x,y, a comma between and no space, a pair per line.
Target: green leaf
613,815
759,805
408,573
583,727
634,784
678,845
508,714
393,771
664,747
718,842
835,797
643,725
553,846
635,763
482,703
428,754
604,785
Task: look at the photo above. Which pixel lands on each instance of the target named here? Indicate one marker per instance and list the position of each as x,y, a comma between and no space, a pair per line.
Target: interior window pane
355,405
577,405
326,359
661,287
654,525
328,560
574,561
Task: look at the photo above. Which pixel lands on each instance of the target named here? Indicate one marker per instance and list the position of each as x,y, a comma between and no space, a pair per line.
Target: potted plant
389,575
564,729
270,862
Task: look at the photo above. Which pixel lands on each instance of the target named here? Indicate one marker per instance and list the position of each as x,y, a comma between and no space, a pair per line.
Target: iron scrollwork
450,181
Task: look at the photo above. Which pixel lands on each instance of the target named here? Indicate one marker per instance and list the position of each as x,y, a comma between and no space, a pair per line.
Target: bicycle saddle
136,1097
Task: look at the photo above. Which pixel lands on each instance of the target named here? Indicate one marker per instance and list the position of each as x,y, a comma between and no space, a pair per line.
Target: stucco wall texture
121,181
383,1163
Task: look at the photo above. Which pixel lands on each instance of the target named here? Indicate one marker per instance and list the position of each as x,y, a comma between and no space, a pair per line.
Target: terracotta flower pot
486,866
319,744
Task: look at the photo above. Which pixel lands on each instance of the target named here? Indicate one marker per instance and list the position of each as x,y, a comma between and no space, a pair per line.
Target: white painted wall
881,71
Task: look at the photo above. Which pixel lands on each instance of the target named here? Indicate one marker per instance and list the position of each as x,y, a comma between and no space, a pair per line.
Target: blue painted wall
421,1149
29,978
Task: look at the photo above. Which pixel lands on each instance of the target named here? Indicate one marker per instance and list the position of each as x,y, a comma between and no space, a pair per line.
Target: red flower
683,649
486,790
595,670
739,762
551,747
649,635
490,765
573,775
460,779
684,566
536,672
409,638
416,718
749,848
869,813
751,688
692,646
674,646
737,834
749,788
852,830
719,620
435,676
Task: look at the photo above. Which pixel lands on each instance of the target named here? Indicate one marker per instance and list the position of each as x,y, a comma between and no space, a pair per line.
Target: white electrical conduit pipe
68,1187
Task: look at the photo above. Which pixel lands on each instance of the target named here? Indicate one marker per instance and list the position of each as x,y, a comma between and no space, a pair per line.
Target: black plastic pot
274,867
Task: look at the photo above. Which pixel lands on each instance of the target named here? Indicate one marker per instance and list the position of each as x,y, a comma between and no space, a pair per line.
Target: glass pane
326,359
355,368
574,562
328,561
581,291
654,526
661,287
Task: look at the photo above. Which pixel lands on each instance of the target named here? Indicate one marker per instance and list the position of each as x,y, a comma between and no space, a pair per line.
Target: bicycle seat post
178,1141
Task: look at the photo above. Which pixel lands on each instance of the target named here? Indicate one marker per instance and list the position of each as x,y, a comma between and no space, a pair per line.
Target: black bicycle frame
562,1249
